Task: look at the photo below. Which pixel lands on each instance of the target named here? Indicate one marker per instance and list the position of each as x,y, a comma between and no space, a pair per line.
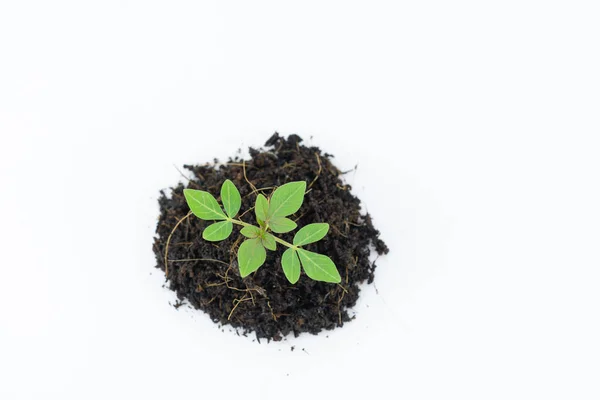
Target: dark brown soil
265,302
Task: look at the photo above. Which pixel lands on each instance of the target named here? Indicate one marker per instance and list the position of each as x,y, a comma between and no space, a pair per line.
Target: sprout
271,216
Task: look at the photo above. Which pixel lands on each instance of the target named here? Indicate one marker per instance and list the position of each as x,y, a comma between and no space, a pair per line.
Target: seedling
271,216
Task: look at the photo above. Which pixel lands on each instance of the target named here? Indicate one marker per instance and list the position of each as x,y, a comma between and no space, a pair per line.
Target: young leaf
311,233
251,255
261,207
269,242
217,231
287,199
250,231
203,205
291,265
319,267
230,196
282,225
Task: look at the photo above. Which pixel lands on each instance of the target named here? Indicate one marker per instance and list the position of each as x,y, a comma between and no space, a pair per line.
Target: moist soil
206,273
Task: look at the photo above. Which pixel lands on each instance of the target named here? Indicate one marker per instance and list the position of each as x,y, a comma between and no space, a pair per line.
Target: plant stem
238,222
283,242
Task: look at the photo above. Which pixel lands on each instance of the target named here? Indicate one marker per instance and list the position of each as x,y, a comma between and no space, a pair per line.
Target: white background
475,129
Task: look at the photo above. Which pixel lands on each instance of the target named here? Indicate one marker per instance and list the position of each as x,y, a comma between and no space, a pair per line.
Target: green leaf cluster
272,216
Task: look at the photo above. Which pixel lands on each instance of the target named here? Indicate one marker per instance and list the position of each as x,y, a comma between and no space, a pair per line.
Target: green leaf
291,265
251,255
282,225
287,199
250,231
217,231
203,205
311,233
261,207
319,267
269,241
230,196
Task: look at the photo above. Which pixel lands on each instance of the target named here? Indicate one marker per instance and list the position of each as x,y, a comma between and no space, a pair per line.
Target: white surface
475,127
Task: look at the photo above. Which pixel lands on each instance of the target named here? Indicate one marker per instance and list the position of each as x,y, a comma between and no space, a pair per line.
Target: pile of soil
206,273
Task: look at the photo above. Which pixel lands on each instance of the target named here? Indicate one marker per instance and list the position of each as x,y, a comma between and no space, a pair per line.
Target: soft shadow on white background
475,131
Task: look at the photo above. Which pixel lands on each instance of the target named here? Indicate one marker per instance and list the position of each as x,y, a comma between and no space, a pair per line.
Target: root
302,215
270,308
199,259
338,231
246,178
236,303
343,294
263,189
169,242
245,212
318,172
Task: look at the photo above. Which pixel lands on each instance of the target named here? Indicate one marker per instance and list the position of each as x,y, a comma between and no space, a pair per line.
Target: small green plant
271,216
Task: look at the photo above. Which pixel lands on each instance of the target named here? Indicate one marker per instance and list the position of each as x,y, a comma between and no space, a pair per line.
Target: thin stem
238,222
283,242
